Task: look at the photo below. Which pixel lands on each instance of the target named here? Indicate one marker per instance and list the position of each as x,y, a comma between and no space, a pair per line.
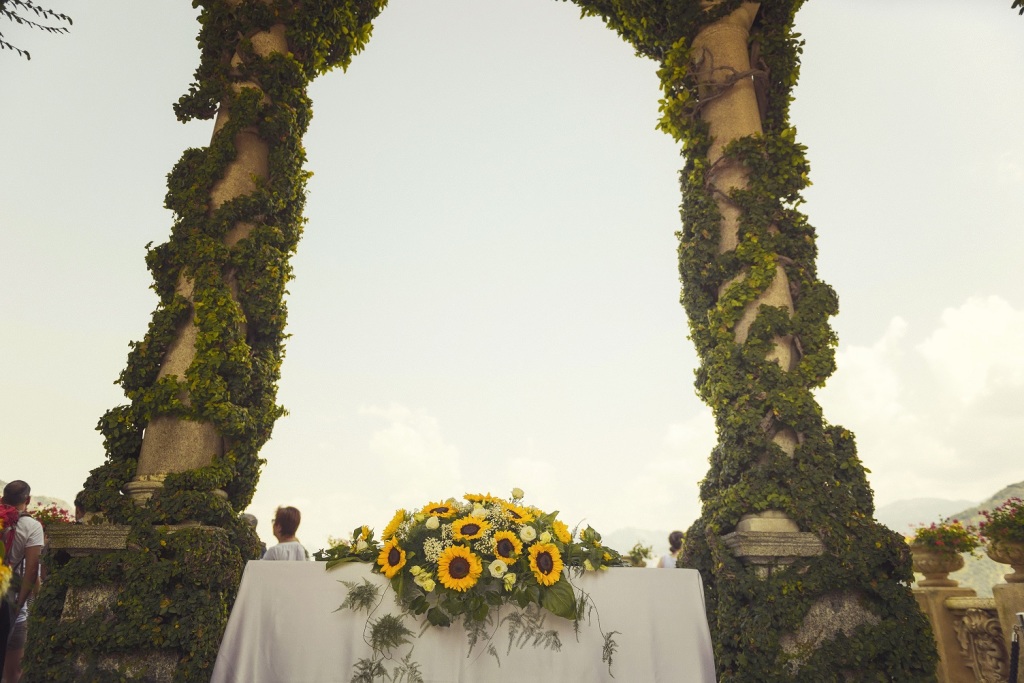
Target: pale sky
486,293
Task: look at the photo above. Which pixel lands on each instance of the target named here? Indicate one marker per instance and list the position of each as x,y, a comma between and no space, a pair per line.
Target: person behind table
285,524
675,545
23,559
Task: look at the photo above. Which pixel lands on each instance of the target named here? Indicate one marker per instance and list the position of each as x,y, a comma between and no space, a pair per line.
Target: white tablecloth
284,629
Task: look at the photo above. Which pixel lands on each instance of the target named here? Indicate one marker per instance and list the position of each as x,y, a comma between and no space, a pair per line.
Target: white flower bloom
428,585
510,580
432,522
479,510
545,537
419,516
527,533
517,493
361,545
432,549
498,568
416,569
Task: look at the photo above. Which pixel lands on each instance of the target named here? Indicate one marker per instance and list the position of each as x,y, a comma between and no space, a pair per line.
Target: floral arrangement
465,559
452,559
50,515
948,535
1004,523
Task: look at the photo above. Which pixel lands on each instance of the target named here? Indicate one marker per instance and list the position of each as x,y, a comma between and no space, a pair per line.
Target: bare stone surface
147,667
80,603
85,539
831,614
768,520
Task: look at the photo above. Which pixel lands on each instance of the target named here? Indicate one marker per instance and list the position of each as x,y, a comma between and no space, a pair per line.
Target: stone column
1009,599
952,668
172,444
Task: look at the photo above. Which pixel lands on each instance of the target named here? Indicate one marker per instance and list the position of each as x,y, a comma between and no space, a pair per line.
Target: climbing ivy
822,486
169,593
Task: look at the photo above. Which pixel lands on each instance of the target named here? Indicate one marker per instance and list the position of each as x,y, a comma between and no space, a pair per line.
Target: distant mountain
972,515
904,516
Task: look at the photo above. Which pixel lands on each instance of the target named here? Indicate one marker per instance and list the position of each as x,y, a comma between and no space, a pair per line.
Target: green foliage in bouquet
639,554
948,535
1004,523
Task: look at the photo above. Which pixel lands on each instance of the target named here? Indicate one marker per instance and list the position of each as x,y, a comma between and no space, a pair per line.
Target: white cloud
412,451
978,349
1009,170
940,417
868,377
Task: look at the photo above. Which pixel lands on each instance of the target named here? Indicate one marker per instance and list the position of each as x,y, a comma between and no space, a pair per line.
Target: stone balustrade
972,634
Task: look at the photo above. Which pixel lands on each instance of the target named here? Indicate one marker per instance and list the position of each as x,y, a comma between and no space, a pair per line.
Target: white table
283,629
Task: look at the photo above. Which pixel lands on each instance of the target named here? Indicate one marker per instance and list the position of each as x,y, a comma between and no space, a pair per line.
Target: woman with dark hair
285,524
675,544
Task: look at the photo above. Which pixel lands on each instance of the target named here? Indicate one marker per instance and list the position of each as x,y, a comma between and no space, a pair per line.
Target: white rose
545,537
517,493
498,568
510,580
479,511
428,585
432,523
527,533
416,569
361,545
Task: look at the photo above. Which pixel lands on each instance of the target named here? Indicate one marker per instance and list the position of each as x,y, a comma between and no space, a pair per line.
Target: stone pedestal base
770,540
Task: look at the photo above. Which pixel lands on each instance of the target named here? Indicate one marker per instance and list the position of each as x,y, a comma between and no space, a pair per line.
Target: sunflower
391,558
393,525
518,514
481,498
545,563
562,532
443,509
458,569
507,545
469,528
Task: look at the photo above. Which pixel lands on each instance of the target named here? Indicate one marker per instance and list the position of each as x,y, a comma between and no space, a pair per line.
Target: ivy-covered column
145,593
802,583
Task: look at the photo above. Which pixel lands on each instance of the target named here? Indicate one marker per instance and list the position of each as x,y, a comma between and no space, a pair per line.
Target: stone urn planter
936,566
1011,553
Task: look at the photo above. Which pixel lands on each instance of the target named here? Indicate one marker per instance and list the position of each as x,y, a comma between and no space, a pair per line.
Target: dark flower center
440,509
544,563
470,529
505,548
458,568
394,557
514,514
